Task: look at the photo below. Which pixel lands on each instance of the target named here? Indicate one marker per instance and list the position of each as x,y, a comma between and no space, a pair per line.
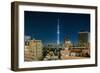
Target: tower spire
58,32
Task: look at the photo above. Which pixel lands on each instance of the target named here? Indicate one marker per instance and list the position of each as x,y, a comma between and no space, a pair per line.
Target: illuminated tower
58,32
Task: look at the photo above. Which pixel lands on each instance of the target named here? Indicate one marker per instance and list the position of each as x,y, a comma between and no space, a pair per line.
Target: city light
63,41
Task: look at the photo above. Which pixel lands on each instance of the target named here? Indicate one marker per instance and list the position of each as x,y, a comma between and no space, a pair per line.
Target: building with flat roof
34,50
83,39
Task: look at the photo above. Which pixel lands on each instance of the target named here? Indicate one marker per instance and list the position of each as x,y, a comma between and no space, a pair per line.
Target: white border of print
34,64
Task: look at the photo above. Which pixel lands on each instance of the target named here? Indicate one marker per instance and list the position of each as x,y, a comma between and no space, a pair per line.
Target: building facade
33,50
83,39
65,52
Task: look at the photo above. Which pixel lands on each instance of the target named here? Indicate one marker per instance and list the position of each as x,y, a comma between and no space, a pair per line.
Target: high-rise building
83,39
58,33
34,51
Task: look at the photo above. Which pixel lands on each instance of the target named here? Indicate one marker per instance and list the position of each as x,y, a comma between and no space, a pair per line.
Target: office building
83,39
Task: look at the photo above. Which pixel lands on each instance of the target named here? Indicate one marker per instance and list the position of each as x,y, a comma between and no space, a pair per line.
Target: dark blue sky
43,25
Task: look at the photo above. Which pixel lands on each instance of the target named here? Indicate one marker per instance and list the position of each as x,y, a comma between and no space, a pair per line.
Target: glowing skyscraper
58,33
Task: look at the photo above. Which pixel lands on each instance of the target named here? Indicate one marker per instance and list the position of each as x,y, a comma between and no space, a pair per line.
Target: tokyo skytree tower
58,32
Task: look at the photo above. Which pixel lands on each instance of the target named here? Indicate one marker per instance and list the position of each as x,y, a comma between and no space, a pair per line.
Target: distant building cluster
81,50
35,50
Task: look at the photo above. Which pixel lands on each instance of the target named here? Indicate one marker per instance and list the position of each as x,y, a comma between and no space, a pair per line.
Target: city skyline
44,25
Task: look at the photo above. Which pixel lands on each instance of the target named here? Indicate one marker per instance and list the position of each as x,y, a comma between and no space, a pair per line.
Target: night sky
43,25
